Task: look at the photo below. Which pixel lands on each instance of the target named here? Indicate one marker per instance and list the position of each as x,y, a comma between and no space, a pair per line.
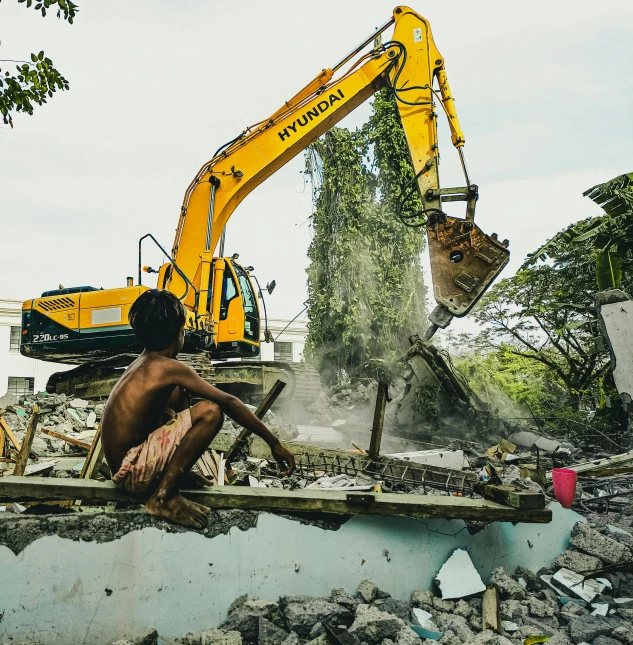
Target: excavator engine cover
464,261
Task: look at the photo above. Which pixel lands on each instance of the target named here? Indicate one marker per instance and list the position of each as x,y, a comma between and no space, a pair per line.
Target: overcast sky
543,90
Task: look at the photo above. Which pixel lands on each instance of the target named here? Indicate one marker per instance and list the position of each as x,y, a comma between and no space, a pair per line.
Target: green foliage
365,286
609,237
608,269
36,80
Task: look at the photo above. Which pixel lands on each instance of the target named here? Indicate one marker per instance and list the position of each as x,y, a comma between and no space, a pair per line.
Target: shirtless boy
147,455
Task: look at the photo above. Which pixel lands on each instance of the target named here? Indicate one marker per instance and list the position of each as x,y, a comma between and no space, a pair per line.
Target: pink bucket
564,481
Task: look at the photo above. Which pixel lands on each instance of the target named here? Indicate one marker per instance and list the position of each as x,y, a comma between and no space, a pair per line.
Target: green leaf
34,58
40,56
608,270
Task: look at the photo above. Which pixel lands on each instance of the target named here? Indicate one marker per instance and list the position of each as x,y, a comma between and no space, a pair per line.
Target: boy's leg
206,421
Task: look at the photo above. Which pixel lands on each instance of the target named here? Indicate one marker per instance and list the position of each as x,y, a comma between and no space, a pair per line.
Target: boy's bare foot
177,509
205,509
194,480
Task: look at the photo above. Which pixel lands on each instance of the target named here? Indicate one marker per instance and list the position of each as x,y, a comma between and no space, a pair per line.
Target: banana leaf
608,270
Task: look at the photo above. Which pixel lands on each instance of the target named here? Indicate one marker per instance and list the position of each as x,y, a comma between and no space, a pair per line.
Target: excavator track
249,380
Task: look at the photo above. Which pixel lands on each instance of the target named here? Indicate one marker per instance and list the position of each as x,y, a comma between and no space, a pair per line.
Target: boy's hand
283,456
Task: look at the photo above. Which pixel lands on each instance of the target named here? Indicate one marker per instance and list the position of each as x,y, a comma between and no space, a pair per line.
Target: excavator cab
237,325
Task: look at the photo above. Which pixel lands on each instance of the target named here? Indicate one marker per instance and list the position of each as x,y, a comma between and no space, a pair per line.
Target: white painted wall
296,334
54,590
13,363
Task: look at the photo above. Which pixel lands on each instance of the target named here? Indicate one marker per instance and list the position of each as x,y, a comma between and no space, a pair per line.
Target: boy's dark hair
157,317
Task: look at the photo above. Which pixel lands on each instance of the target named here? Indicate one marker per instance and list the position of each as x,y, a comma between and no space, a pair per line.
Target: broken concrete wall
616,315
59,591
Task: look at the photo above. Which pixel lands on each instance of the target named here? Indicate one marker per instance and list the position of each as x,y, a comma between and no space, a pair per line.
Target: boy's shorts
144,465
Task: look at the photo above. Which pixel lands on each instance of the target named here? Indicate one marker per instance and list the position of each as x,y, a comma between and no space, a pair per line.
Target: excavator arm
464,260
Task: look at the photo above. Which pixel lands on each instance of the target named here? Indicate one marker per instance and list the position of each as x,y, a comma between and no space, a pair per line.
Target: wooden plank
490,612
261,410
12,438
379,419
2,441
40,468
511,496
23,455
272,499
63,437
95,457
598,464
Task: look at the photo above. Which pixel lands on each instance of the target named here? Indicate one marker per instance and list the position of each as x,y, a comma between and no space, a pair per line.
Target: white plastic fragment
600,608
423,618
605,582
91,420
17,508
458,577
575,583
509,626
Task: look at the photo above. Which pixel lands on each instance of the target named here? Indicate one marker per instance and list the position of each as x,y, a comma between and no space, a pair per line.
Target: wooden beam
284,501
63,437
23,455
2,441
511,496
490,611
95,457
12,438
379,419
261,410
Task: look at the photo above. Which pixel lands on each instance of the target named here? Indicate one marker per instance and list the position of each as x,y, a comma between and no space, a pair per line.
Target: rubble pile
564,604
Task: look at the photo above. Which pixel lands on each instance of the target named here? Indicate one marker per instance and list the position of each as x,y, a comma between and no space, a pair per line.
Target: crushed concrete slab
592,542
367,590
302,612
586,628
373,626
269,633
508,587
578,562
458,577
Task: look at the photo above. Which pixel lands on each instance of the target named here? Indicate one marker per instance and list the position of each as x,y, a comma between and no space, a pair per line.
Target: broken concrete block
509,626
512,610
624,635
321,640
508,588
79,404
244,616
373,626
488,637
220,637
270,634
462,608
421,598
577,585
316,631
302,612
443,605
572,610
539,608
406,636
293,639
399,608
458,577
594,543
367,590
457,625
578,562
586,628
341,597
605,640
532,582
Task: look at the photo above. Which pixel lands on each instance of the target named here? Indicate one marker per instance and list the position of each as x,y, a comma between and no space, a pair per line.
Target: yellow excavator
80,324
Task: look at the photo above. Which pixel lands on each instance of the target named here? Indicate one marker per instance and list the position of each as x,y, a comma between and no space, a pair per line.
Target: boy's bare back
136,405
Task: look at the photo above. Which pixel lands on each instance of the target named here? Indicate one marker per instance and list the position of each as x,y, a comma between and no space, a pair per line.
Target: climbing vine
365,287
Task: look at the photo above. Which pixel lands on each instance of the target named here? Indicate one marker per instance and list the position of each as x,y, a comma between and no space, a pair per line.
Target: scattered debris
458,577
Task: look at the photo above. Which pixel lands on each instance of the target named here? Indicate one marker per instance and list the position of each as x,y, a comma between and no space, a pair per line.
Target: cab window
229,291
